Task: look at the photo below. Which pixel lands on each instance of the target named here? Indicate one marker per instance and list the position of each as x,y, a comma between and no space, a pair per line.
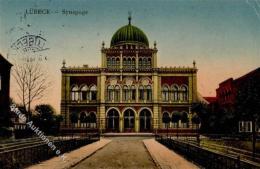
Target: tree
176,117
166,119
195,119
74,119
46,119
31,81
204,115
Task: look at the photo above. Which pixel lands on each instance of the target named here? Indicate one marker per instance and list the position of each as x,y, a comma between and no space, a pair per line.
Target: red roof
210,99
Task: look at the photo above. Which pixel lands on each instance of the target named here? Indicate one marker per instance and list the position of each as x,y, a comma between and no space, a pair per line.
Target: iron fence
205,158
25,156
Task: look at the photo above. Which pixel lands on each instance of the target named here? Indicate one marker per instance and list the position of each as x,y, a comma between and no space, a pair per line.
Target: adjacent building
5,68
228,90
129,92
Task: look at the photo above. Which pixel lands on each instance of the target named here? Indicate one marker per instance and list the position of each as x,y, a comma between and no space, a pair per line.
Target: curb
73,164
152,156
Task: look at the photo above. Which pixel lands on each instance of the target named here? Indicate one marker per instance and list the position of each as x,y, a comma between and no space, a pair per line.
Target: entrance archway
113,120
145,121
129,120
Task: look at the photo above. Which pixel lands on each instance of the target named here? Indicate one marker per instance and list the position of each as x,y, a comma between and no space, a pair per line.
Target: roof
129,34
210,99
202,99
252,73
4,60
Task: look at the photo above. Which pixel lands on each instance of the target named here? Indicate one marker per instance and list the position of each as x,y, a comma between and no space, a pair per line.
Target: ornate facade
129,92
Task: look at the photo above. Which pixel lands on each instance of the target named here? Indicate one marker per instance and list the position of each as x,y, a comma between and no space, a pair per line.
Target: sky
222,36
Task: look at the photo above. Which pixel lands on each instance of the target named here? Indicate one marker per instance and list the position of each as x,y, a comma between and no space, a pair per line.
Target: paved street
118,153
121,152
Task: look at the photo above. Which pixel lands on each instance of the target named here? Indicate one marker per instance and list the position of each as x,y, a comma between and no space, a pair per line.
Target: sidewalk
165,158
73,157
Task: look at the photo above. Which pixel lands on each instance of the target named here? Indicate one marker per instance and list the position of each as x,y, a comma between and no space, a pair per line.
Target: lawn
246,145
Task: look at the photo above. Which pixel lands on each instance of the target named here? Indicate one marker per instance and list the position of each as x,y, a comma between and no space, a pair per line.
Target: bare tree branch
31,81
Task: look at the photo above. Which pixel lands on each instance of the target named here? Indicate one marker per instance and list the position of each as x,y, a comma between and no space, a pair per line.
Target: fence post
238,162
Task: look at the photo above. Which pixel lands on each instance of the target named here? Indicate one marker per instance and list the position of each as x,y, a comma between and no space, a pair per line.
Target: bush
5,132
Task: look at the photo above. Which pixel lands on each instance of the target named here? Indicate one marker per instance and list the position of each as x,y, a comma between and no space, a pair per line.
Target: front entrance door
145,121
129,120
113,120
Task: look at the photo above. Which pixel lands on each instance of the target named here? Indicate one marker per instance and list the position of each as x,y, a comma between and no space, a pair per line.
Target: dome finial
64,63
154,44
194,64
129,17
103,44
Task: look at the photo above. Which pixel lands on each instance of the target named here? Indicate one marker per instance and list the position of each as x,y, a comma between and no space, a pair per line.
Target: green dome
129,34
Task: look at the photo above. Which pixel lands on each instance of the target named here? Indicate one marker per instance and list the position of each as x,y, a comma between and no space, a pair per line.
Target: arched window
113,62
117,62
133,63
117,93
184,93
74,93
129,62
149,93
93,92
92,119
113,120
141,93
110,91
84,93
145,62
133,92
175,94
124,62
165,93
125,93
108,62
140,62
149,62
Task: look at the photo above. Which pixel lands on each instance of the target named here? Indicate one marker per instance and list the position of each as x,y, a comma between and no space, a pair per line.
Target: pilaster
195,97
102,117
155,116
103,60
102,87
121,124
136,60
190,89
137,124
155,59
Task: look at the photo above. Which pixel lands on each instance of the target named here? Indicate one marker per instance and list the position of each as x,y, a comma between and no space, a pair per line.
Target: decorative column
102,111
190,92
190,118
102,117
65,97
103,56
121,59
136,124
136,76
154,55
155,117
136,60
155,100
121,120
